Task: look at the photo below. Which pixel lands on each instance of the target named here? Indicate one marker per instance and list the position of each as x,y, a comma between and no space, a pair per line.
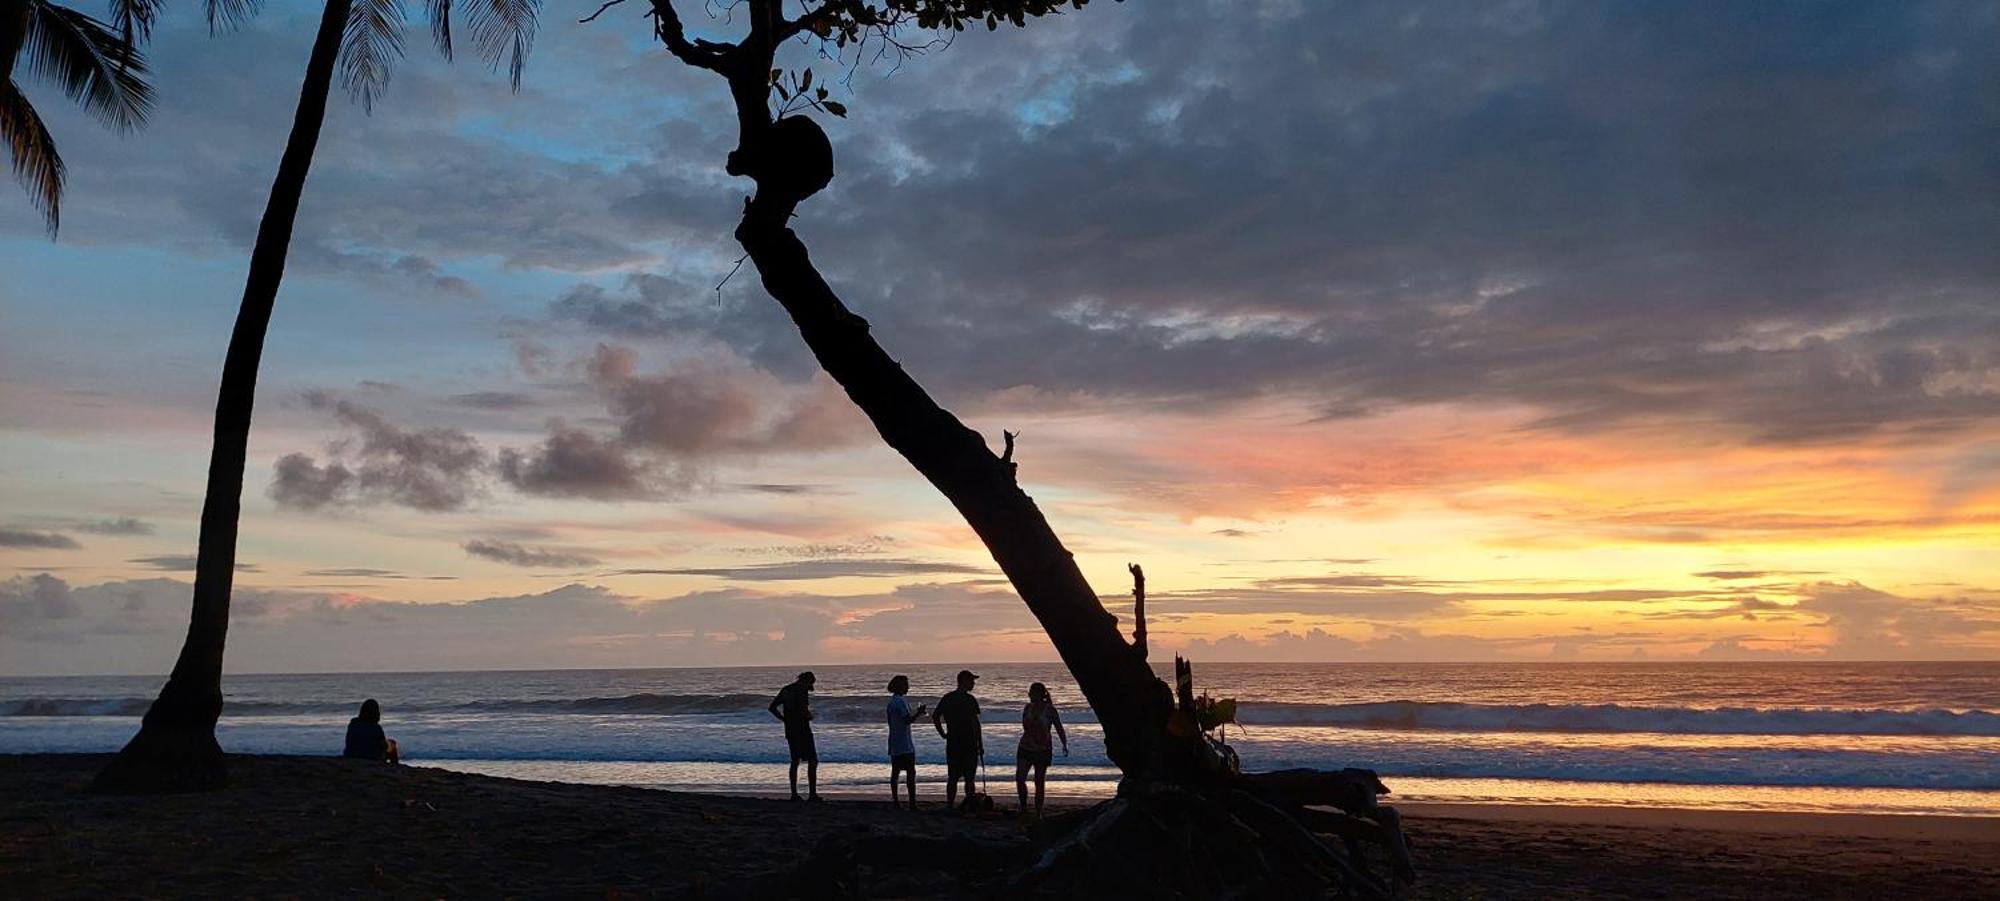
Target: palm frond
440,16
36,162
500,30
134,19
228,15
14,19
91,63
369,48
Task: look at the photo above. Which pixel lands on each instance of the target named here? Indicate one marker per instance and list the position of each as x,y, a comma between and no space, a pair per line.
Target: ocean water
1869,737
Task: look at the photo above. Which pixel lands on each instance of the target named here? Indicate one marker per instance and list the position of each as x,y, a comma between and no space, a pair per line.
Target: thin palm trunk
176,746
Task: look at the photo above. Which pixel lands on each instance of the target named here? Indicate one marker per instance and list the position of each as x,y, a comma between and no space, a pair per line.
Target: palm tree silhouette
91,61
175,748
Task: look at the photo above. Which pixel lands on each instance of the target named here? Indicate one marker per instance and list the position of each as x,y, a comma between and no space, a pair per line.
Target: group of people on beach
956,720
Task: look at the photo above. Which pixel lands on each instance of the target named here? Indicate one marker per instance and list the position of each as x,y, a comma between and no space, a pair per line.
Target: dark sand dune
317,827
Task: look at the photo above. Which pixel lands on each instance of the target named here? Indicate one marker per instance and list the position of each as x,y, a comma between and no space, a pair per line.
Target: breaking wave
1383,715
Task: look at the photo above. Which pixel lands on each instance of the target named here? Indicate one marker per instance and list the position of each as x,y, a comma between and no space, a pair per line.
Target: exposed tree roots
1161,841
166,758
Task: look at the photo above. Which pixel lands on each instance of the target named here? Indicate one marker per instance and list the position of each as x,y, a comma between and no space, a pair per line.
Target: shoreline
1886,826
1942,827
850,779
290,826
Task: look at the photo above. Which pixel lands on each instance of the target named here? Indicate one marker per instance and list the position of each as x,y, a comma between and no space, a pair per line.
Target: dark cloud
1730,575
784,488
494,400
572,462
1372,596
55,626
1776,235
432,469
1750,608
520,555
457,134
123,525
717,404
1403,644
28,603
181,563
300,483
1869,623
1741,647
872,544
24,538
821,568
672,426
363,572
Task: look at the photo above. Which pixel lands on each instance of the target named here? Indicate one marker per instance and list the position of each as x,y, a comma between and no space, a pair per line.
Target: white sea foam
1388,715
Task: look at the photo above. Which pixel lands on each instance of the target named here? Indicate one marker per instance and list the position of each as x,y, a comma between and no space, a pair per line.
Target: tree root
165,758
1172,842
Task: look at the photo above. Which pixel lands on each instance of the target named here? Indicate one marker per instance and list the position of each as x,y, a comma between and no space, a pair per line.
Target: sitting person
365,740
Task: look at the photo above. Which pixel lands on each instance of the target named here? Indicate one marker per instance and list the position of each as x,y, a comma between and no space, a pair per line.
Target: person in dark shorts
902,747
1036,751
957,719
792,707
365,740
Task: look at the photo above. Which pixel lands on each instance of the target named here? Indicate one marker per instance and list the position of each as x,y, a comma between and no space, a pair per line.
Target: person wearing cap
792,707
957,719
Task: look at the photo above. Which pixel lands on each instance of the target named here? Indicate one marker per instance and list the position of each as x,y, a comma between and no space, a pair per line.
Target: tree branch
586,20
1138,609
698,53
810,20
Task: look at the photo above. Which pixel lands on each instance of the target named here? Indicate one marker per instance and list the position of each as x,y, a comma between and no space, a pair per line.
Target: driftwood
1357,817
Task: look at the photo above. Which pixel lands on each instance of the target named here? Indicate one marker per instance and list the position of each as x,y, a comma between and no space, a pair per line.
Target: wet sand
317,827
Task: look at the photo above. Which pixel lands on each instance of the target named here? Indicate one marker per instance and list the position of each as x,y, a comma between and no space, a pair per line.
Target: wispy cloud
25,538
521,555
820,568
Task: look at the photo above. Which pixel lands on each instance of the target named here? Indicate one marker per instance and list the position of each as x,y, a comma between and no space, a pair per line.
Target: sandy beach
300,826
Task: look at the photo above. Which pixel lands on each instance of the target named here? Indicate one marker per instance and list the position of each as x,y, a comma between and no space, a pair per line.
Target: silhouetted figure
1035,751
792,707
957,719
902,747
365,740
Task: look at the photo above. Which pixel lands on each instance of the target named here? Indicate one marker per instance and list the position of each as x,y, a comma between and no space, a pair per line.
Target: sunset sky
1375,331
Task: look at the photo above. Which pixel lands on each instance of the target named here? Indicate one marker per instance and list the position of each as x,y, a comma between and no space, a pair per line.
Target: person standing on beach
792,707
902,747
1035,751
957,719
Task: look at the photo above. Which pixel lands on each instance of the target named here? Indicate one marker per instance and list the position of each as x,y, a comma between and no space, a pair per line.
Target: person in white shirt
902,748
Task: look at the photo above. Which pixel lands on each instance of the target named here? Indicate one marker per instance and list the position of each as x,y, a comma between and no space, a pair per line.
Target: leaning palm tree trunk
176,747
